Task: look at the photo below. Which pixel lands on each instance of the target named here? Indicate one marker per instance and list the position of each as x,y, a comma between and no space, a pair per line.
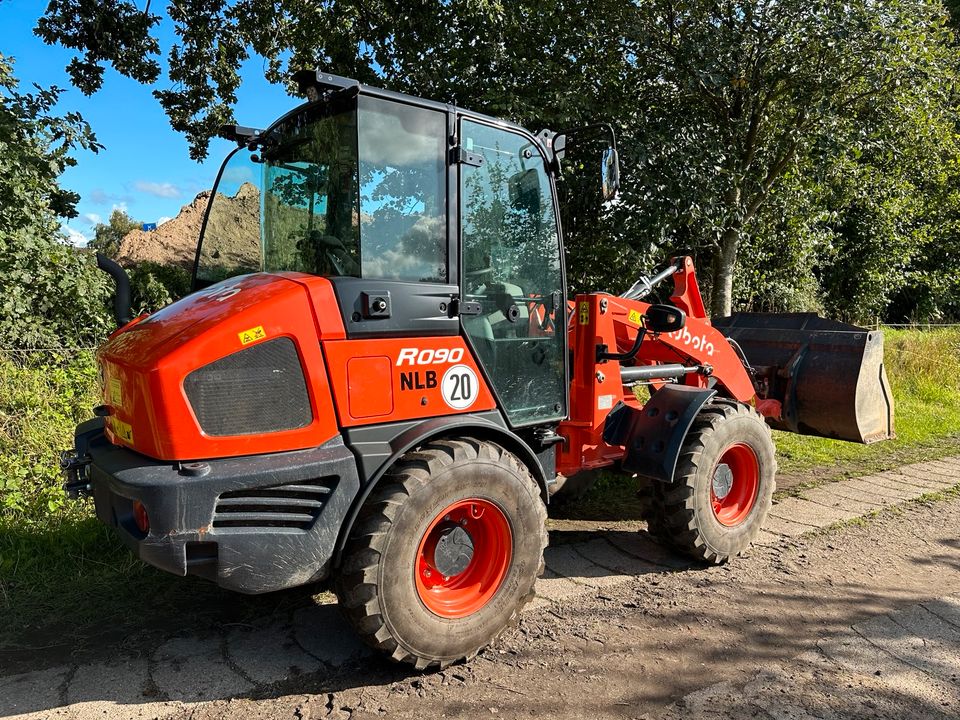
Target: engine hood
144,365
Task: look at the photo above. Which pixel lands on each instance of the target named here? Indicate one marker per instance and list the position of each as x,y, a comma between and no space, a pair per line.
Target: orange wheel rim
463,558
735,484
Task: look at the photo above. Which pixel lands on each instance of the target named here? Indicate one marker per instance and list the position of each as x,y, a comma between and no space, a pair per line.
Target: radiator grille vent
257,390
296,505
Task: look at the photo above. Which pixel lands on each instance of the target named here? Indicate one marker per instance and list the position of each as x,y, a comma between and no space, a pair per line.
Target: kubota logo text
219,294
697,342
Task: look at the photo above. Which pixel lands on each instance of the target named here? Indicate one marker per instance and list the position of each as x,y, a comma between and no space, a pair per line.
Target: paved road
237,661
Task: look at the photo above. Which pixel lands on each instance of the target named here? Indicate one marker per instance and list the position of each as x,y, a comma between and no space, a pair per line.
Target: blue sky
145,166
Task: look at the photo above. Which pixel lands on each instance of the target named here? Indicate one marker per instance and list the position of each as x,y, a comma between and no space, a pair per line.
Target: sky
145,166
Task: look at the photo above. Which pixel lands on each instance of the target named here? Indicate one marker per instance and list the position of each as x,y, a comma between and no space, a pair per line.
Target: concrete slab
851,493
921,638
123,680
640,545
32,692
807,513
557,589
923,485
948,465
768,539
269,654
857,654
946,608
605,555
927,477
194,669
780,526
872,484
322,631
567,562
825,498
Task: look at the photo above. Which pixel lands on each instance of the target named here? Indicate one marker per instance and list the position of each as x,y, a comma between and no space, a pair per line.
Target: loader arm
697,356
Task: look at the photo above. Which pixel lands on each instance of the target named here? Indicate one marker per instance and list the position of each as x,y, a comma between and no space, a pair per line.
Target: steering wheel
326,254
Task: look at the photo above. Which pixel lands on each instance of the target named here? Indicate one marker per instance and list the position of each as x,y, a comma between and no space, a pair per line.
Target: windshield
311,216
360,192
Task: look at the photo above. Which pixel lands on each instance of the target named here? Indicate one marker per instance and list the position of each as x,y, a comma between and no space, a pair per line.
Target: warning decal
252,335
584,313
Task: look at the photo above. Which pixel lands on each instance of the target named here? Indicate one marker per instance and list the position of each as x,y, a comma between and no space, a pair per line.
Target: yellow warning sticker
635,317
584,313
116,398
252,335
122,430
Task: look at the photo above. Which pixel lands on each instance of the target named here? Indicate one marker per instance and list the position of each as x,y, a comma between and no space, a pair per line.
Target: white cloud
162,220
163,189
75,237
92,218
119,206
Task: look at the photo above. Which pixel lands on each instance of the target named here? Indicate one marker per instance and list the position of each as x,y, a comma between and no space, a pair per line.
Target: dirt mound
235,223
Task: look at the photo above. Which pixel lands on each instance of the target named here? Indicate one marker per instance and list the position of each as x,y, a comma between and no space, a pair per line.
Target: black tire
377,585
683,511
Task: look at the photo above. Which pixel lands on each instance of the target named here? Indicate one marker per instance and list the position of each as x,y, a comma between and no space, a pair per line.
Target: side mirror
664,319
610,173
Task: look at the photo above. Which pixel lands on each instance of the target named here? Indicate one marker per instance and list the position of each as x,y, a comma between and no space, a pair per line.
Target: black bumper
251,524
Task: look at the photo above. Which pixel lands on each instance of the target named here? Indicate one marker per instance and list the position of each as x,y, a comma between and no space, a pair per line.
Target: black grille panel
296,505
257,390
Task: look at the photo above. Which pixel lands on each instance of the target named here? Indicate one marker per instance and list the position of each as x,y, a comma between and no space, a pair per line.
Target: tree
108,236
51,294
752,89
718,101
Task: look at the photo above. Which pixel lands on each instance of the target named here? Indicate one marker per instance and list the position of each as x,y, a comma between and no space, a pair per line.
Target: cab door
512,288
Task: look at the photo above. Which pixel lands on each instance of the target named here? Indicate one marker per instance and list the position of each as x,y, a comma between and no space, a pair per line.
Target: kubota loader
380,380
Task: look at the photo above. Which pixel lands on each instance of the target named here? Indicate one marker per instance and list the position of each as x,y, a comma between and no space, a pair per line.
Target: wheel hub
454,552
722,481
463,557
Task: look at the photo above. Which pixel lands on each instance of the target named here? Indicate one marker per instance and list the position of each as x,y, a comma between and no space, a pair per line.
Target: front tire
723,486
445,553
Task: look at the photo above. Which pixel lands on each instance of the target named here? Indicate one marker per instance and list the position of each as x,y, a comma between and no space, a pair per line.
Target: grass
924,372
64,577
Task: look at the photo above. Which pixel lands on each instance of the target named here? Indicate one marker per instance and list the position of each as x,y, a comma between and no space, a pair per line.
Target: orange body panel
388,380
144,365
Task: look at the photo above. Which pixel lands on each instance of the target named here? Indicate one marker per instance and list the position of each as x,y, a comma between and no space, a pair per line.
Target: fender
378,447
653,436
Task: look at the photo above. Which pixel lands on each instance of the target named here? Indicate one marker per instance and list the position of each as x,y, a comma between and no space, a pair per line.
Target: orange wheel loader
379,378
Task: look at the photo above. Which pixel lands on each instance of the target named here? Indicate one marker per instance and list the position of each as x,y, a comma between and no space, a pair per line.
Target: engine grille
257,390
296,505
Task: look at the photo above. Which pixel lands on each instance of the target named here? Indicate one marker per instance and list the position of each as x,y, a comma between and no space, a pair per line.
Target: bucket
828,376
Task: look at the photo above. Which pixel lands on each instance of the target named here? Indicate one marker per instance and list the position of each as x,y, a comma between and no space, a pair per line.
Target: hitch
76,474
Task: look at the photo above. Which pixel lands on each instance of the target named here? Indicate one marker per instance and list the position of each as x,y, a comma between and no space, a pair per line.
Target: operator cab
427,220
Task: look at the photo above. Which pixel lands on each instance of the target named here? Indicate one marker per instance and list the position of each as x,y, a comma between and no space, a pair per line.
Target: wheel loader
379,379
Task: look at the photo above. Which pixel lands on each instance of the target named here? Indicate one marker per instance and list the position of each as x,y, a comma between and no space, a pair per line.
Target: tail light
140,517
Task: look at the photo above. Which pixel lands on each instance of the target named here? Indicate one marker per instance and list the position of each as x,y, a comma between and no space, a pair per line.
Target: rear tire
455,493
723,486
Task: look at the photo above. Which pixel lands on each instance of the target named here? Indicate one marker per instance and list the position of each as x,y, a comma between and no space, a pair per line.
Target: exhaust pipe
121,301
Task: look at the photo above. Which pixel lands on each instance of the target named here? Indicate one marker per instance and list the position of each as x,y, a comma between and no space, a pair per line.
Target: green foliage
152,286
746,126
42,398
50,293
108,236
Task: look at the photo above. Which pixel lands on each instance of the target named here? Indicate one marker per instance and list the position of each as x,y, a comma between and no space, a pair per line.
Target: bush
42,398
